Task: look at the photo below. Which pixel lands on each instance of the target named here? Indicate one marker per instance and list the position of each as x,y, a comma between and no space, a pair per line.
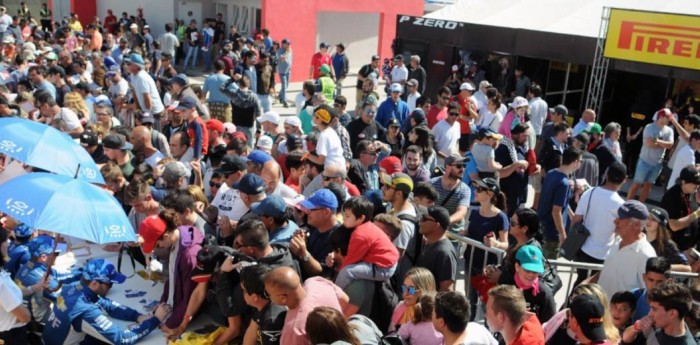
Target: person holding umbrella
79,312
18,251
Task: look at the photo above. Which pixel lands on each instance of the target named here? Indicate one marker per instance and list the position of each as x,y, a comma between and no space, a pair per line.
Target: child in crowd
484,153
421,330
622,305
371,254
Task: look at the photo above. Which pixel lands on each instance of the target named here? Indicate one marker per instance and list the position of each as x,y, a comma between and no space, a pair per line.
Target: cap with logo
665,112
519,102
633,209
270,116
151,230
102,271
89,139
250,184
530,258
174,171
116,142
589,314
660,215
325,113
231,164
272,206
391,164
40,245
396,87
399,181
322,198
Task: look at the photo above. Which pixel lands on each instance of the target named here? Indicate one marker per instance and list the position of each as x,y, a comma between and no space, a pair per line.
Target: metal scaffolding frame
599,70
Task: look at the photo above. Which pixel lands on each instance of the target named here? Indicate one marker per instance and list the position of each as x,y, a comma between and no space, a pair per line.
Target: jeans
265,102
191,52
284,80
249,134
339,86
363,270
207,58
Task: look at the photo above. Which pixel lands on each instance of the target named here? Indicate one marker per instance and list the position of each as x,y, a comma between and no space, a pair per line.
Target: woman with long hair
659,237
525,229
416,282
75,102
420,136
556,330
326,325
492,117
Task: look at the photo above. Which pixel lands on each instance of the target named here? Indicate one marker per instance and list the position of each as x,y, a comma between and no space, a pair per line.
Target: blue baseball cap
135,59
250,184
259,157
530,258
322,198
39,245
23,230
272,206
102,271
186,102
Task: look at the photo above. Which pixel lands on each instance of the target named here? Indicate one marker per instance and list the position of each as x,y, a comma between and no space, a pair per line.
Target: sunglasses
427,219
411,290
371,153
328,178
214,184
370,112
454,114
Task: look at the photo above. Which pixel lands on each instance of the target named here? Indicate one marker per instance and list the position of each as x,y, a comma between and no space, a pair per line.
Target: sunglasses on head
411,290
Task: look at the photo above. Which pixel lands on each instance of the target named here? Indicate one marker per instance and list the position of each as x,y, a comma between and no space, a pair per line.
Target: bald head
588,115
283,278
270,173
141,137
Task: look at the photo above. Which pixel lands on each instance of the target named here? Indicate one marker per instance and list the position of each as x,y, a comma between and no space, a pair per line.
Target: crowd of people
336,225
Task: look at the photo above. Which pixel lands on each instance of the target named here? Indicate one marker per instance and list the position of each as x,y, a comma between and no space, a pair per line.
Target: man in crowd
506,313
312,248
658,137
451,318
341,67
453,194
417,73
538,109
512,155
145,90
587,320
584,124
438,111
447,133
368,71
219,105
438,255
393,107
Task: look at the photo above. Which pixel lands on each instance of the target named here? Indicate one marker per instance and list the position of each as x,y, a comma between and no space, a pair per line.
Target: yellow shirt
76,26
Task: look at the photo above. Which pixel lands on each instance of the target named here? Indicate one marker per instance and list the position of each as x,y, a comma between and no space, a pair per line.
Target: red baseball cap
665,112
391,165
239,135
151,230
215,125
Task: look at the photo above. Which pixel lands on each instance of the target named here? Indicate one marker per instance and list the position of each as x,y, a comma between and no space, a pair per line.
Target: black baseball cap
438,213
116,142
231,164
660,215
690,174
589,314
88,139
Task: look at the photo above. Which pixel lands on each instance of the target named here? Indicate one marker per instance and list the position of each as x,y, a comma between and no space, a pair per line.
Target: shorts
647,173
220,111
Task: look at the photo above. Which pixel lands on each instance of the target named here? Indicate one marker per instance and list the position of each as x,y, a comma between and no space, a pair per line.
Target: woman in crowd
394,137
525,229
76,103
556,330
326,325
417,281
492,117
529,266
516,115
612,139
659,237
420,136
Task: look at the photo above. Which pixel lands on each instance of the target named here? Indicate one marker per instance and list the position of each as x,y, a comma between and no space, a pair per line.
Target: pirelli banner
655,38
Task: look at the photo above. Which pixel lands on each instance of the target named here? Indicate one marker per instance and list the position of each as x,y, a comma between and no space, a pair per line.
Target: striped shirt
460,197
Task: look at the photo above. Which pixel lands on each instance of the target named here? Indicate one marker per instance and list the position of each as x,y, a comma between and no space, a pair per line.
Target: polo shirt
555,192
624,268
654,155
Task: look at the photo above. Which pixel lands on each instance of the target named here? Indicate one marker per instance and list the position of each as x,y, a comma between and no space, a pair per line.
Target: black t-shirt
359,130
99,155
679,205
61,94
542,304
188,35
515,185
365,72
270,322
441,259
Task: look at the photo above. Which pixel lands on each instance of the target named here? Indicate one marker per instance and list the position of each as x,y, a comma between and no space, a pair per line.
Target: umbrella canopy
45,147
66,206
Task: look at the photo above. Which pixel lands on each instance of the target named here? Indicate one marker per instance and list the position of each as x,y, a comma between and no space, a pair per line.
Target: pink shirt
421,333
319,292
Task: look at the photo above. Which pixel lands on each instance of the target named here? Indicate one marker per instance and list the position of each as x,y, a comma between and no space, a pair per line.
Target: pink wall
296,21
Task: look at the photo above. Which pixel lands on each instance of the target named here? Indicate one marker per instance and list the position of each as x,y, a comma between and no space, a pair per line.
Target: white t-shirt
478,335
71,118
407,228
169,42
11,299
398,74
683,157
490,120
411,101
284,191
153,160
624,268
119,89
599,220
329,146
446,138
229,203
143,83
538,114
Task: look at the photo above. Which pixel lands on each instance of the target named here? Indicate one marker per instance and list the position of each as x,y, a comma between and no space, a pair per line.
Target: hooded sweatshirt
244,103
186,260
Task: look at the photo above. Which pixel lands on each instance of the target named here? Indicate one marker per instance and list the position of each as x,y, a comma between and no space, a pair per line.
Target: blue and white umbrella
45,147
66,206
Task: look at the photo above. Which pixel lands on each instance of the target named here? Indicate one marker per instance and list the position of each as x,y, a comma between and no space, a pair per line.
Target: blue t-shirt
480,226
642,308
555,192
470,169
212,84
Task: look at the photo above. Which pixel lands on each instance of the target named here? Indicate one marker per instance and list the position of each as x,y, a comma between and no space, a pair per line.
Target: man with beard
512,155
365,127
413,160
368,71
453,194
368,86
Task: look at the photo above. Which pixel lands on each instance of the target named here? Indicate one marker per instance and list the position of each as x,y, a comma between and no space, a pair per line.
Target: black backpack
384,301
417,237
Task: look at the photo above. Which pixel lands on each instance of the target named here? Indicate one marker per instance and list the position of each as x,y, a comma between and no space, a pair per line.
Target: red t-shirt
530,333
317,60
368,243
352,189
294,184
435,115
464,105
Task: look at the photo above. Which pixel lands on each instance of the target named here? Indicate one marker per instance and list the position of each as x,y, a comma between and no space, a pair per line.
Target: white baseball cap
293,121
467,86
264,143
270,116
396,87
518,102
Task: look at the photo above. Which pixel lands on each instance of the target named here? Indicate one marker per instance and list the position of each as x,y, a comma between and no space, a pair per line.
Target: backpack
384,301
417,237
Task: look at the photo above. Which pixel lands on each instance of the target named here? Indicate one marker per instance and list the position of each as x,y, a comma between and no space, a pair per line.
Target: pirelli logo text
664,39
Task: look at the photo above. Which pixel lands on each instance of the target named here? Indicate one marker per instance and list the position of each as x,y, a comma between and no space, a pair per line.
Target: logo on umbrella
9,146
115,231
18,207
89,173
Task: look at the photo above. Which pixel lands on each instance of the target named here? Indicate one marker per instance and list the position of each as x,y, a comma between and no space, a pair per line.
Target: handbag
551,277
577,236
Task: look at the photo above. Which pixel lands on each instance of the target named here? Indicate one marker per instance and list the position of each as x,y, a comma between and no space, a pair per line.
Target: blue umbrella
45,147
66,206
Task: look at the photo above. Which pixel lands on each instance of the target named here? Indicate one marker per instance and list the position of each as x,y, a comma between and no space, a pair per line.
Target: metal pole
566,82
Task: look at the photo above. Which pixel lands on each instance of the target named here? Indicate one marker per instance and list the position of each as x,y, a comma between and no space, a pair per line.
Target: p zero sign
656,38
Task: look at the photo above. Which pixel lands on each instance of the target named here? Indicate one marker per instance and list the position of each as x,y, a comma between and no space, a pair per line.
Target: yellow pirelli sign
656,38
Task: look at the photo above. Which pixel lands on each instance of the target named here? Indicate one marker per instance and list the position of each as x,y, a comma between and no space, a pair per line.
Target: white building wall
358,31
156,12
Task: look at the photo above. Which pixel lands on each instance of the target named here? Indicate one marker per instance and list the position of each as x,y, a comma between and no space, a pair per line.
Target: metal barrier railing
471,245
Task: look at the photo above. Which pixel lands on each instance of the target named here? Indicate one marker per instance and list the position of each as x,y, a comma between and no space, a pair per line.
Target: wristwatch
306,257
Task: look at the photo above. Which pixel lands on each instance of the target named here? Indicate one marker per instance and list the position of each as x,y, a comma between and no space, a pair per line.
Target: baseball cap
270,116
136,59
294,141
325,113
396,87
633,209
250,184
57,70
467,86
412,82
325,69
341,46
455,68
490,184
589,314
518,102
485,84
146,117
690,174
293,121
322,198
116,142
23,230
323,45
102,271
264,143
174,170
180,79
438,213
595,129
207,259
398,57
151,230
185,103
369,100
230,128
286,41
519,128
239,135
133,26
486,132
559,109
215,125
88,139
272,206
231,164
375,57
665,112
258,157
455,159
51,56
530,258
658,213
393,122
399,181
391,164
42,244
418,115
